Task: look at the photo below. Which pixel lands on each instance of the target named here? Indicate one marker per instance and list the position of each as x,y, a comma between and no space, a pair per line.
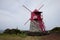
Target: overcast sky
13,14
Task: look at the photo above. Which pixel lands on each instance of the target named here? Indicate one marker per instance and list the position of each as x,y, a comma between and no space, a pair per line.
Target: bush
12,31
56,29
22,34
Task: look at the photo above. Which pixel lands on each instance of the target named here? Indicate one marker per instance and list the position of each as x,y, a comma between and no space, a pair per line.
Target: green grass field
53,36
18,37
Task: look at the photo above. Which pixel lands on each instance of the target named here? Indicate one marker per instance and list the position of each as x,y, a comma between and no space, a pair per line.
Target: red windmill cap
36,11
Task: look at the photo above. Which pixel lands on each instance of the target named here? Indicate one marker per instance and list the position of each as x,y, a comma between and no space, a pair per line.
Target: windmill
36,20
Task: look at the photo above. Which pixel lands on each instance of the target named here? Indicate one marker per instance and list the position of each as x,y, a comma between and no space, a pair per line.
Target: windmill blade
26,8
41,7
26,21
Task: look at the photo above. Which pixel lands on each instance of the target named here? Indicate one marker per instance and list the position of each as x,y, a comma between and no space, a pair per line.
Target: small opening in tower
37,13
35,19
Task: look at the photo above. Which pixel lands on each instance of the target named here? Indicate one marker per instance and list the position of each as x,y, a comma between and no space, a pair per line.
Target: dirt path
52,36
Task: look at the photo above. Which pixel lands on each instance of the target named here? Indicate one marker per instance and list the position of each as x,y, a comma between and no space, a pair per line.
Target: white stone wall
34,26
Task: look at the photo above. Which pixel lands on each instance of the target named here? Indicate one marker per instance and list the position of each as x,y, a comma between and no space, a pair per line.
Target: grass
22,36
18,37
10,37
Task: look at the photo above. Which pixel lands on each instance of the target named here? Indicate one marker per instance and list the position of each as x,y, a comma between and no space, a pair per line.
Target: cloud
13,14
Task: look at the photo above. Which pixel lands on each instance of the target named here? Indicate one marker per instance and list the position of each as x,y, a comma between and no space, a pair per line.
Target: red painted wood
39,19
